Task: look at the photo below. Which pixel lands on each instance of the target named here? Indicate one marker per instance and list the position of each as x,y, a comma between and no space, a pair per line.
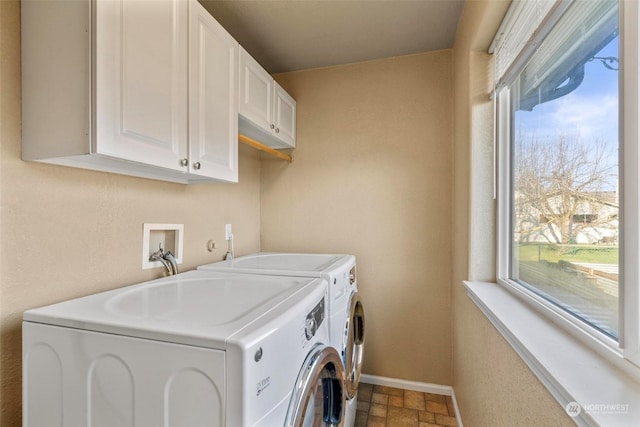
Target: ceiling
290,35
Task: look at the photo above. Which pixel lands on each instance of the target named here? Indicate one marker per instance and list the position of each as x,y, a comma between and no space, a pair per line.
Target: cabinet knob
196,165
273,126
184,162
277,130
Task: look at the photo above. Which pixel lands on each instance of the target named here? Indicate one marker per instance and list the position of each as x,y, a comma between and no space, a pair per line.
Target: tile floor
380,406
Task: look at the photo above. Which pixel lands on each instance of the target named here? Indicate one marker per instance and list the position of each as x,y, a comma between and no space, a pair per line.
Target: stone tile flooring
380,406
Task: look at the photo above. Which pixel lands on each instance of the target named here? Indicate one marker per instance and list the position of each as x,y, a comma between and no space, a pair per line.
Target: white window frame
630,260
625,352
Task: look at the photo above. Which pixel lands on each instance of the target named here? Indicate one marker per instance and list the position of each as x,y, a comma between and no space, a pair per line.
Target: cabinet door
141,81
285,117
256,92
213,98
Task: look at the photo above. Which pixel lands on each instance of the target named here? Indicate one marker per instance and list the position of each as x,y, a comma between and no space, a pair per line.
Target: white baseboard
455,408
415,386
407,385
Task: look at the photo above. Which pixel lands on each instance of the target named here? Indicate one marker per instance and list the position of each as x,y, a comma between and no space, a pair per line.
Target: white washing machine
199,348
346,311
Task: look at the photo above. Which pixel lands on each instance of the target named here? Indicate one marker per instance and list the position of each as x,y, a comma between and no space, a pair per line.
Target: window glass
564,167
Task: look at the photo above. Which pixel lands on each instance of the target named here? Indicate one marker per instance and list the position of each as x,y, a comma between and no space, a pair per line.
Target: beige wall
492,384
371,176
67,232
379,132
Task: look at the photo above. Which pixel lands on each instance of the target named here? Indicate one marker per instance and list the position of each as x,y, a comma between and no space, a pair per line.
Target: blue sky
590,111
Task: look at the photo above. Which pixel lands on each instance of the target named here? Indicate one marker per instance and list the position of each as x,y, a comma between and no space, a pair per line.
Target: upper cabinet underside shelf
260,146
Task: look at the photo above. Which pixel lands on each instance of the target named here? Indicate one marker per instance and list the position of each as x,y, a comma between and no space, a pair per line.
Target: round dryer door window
354,345
319,397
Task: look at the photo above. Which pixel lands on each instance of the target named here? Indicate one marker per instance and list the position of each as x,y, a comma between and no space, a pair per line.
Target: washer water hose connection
167,259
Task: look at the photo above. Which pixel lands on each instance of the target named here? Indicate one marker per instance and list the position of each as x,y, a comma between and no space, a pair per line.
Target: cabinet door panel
256,92
213,87
285,117
141,81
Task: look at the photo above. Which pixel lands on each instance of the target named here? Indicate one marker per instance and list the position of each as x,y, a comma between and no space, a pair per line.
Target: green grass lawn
577,253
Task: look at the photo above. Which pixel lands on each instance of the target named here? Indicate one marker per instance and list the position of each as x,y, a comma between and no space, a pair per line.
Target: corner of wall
487,372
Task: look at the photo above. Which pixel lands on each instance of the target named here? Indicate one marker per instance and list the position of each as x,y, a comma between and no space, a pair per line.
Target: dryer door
354,346
319,397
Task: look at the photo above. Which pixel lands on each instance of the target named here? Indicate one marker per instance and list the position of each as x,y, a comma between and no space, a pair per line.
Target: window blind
524,26
561,50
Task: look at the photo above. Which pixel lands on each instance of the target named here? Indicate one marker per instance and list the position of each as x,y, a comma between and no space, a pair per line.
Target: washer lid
285,264
197,308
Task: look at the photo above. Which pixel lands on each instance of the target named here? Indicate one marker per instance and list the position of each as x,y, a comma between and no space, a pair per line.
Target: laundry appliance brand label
262,385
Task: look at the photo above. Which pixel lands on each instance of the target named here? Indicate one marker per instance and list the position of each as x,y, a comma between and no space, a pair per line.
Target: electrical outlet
227,232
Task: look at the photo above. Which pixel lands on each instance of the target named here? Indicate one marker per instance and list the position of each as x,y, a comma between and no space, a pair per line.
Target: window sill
571,370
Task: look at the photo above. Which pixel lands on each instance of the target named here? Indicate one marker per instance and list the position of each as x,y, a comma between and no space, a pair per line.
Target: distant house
592,218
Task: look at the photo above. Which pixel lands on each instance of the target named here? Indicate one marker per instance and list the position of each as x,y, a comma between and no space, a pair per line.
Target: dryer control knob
309,328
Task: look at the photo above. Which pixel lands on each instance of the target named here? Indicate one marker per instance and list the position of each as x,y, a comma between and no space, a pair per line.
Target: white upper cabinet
267,112
284,116
145,88
213,94
256,92
141,81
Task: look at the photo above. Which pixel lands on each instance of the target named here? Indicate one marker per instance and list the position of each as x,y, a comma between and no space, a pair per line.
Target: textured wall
68,232
371,176
492,384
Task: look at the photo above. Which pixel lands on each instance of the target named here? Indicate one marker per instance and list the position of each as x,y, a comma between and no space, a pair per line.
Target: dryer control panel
314,319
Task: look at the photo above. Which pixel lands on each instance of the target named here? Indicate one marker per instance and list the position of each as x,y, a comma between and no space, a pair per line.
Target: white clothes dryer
346,311
199,348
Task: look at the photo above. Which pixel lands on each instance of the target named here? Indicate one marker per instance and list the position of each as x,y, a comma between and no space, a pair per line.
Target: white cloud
591,117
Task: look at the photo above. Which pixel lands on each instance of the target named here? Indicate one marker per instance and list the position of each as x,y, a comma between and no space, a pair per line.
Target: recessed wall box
169,237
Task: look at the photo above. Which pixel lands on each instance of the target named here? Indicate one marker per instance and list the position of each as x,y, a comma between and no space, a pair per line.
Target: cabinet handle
273,126
184,162
196,165
277,130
